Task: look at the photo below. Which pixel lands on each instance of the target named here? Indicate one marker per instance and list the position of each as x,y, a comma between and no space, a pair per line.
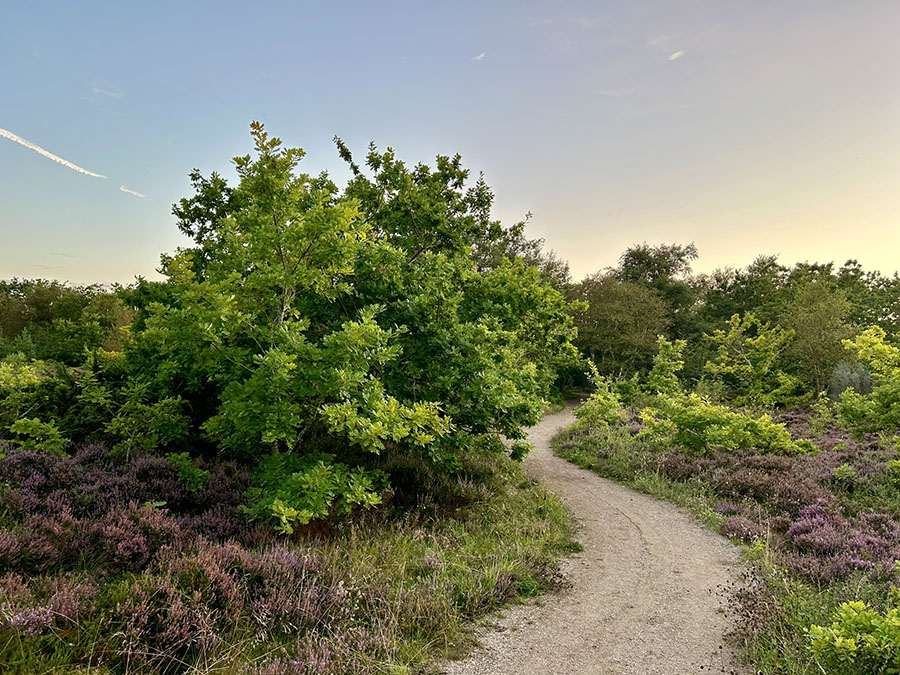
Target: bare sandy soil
644,597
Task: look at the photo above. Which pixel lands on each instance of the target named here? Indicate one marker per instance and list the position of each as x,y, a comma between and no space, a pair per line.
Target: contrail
49,155
122,188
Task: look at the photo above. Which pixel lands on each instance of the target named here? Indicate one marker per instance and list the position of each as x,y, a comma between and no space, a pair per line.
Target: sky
763,127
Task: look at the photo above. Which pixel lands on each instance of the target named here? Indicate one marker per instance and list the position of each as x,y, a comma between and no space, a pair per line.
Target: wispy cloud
122,188
107,90
676,55
480,57
49,155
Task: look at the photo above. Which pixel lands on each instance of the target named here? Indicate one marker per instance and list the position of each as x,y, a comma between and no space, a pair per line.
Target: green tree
330,325
749,356
664,269
620,323
816,317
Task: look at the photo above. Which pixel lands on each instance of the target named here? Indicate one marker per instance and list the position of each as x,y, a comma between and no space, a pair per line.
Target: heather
115,565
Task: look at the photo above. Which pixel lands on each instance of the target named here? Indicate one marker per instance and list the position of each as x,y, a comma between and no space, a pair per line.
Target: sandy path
643,596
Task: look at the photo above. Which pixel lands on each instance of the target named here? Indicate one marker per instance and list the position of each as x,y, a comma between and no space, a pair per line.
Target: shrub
602,408
193,477
859,640
292,489
668,362
32,434
849,376
880,409
693,422
747,360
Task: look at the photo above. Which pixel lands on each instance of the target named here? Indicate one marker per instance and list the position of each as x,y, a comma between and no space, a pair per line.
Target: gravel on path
644,597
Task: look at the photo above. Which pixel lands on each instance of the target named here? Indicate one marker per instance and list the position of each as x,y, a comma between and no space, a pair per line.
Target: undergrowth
121,581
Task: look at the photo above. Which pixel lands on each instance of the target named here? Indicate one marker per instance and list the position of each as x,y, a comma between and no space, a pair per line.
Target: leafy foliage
878,410
693,422
668,362
193,477
816,317
602,408
618,324
859,639
290,490
747,361
32,434
322,327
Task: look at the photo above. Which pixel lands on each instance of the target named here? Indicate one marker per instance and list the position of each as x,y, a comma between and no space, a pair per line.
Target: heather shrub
739,527
129,538
827,545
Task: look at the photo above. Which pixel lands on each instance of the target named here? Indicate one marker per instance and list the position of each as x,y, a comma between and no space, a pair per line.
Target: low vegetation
811,490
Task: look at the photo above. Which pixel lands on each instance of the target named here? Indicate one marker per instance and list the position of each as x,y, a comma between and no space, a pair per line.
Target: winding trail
643,598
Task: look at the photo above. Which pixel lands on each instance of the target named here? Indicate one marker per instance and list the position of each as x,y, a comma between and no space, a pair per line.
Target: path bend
644,597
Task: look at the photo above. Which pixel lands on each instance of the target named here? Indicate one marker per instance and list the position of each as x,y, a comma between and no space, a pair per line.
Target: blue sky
746,127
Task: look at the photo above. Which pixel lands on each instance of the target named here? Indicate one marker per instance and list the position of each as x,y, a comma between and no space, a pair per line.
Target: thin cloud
49,155
111,92
676,55
122,188
480,57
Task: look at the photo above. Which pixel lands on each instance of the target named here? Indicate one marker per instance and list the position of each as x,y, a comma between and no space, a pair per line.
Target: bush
32,434
859,640
292,490
849,376
668,362
748,357
602,408
322,328
878,410
693,422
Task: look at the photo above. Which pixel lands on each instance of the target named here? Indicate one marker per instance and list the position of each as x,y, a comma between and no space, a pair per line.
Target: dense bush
329,326
51,320
693,422
748,361
859,640
602,407
314,326
879,409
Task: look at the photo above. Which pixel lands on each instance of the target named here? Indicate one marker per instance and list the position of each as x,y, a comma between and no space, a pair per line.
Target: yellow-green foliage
603,407
695,423
747,361
668,362
859,640
879,410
